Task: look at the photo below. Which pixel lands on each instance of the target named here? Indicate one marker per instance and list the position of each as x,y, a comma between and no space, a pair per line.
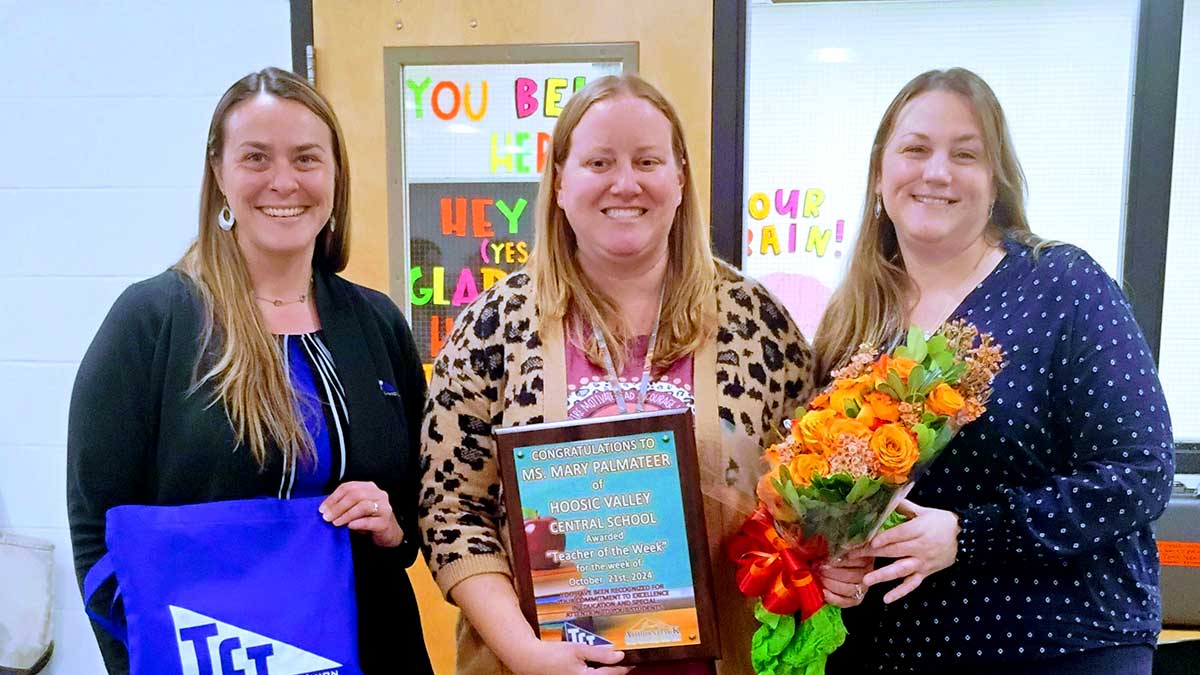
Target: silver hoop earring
225,219
332,224
991,208
878,207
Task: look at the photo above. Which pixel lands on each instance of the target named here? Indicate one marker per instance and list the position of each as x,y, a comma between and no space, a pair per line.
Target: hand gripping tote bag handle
250,587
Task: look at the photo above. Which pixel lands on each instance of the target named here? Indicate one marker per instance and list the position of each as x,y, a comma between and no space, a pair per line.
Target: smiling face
935,179
277,171
620,183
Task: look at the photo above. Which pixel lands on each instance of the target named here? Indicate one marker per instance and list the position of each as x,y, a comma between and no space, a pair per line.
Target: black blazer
135,436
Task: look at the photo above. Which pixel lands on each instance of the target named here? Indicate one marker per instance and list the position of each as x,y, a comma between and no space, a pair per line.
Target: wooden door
674,39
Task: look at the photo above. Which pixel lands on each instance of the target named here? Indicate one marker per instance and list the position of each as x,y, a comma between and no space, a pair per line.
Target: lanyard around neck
613,381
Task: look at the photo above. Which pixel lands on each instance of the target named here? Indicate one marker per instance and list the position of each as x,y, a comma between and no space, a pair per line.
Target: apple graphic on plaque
554,580
541,542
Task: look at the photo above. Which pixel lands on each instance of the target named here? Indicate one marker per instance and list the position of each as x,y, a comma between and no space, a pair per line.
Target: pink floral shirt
589,394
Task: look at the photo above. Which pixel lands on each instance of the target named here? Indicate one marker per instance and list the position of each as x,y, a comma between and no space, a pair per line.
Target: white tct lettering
208,646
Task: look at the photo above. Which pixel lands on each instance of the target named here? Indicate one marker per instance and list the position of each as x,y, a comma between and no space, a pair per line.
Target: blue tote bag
250,587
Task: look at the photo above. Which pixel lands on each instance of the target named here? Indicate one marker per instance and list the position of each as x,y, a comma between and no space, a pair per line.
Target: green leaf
901,352
954,372
916,344
937,345
897,385
928,417
864,487
836,481
785,474
787,490
932,369
852,409
916,380
943,438
925,436
859,528
944,360
932,380
924,382
822,496
939,442
780,486
887,389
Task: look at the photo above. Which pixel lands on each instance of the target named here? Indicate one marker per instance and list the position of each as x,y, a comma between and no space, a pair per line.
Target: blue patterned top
322,405
1055,486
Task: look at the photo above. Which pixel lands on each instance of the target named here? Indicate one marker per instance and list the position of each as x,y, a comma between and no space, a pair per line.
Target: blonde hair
688,315
246,365
870,305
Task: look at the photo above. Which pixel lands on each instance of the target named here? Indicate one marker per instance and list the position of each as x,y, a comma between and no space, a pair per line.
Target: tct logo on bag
211,647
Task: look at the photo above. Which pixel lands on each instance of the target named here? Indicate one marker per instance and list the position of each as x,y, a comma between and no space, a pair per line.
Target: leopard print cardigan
505,366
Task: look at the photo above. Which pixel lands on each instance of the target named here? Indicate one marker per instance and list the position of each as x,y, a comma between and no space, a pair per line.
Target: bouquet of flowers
838,473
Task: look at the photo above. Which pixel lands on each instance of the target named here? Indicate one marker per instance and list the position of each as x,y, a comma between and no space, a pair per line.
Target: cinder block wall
103,115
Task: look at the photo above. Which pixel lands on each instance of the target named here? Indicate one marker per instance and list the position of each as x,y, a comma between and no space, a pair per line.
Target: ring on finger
858,591
374,508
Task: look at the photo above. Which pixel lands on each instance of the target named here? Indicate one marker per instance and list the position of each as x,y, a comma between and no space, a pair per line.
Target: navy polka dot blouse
1055,486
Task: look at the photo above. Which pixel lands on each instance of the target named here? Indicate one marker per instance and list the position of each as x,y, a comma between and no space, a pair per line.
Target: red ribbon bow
770,568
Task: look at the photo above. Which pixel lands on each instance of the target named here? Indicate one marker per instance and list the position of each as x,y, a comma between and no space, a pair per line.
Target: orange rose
902,367
880,367
771,457
885,363
866,417
813,430
944,400
847,391
776,504
821,401
896,449
804,466
795,430
857,428
883,406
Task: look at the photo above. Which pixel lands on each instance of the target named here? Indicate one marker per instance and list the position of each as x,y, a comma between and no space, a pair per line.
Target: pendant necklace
279,302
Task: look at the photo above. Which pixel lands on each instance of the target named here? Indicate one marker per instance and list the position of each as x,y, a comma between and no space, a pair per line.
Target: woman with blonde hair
1031,550
250,368
622,307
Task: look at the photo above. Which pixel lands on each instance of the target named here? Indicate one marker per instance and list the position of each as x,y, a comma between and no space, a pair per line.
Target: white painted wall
1181,295
103,113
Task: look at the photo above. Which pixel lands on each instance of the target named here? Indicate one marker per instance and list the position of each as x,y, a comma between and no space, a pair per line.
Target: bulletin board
468,133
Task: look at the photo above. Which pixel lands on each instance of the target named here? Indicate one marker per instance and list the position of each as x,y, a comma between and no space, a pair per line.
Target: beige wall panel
675,53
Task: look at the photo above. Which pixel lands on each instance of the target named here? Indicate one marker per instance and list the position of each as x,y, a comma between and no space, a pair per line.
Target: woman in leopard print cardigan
617,211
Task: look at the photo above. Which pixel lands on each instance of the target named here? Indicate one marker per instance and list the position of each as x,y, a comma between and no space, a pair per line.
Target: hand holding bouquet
838,474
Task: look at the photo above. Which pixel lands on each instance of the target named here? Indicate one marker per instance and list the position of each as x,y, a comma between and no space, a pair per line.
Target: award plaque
608,535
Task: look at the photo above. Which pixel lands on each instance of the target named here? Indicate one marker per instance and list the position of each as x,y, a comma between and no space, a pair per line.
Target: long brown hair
688,316
870,305
238,355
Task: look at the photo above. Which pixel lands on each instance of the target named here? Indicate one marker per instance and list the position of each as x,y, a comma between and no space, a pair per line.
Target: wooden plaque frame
681,423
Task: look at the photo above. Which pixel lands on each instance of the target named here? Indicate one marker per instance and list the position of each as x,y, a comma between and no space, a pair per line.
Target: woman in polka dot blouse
1031,550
